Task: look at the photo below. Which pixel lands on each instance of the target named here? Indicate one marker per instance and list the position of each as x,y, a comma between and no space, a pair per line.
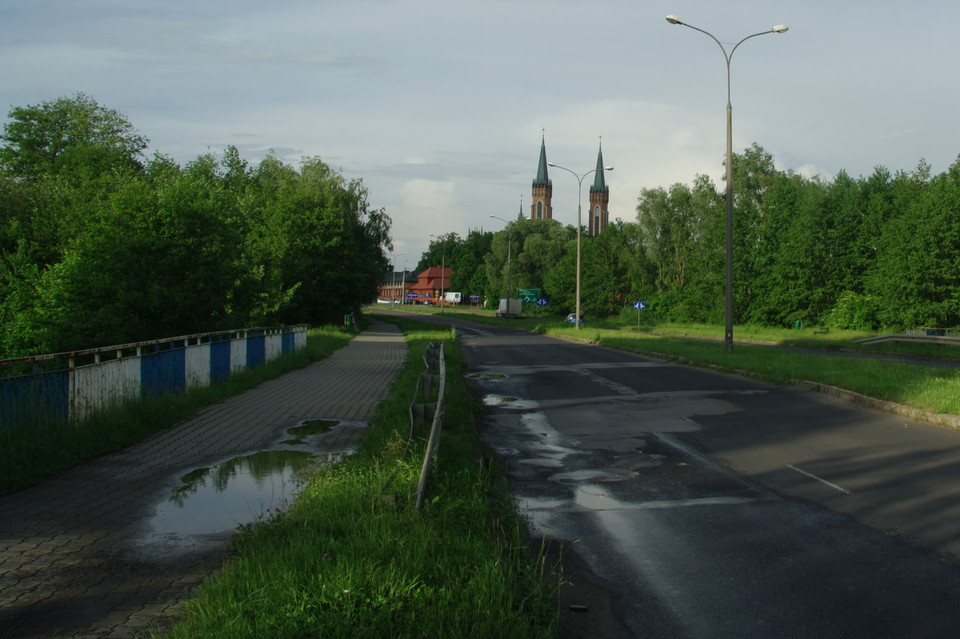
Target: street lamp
579,190
780,28
508,256
443,269
393,264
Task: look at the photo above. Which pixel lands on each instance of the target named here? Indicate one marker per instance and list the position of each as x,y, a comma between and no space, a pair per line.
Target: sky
440,106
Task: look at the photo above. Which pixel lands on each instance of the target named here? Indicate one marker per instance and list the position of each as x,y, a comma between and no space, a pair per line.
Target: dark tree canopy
98,247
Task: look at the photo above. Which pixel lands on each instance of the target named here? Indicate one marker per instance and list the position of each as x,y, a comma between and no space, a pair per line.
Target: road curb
916,414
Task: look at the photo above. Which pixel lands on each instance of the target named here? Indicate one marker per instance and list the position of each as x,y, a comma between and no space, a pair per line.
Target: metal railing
67,387
430,393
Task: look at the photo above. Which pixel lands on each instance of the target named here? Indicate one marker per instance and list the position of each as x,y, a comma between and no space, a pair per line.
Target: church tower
599,198
542,189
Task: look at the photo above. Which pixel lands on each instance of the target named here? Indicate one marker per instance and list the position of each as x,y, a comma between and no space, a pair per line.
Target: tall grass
352,557
28,454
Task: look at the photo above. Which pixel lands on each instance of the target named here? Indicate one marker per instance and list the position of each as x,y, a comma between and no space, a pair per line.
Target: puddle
239,490
310,427
591,475
508,402
214,500
490,376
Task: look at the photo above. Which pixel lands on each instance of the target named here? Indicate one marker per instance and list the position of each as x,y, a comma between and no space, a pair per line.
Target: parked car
572,318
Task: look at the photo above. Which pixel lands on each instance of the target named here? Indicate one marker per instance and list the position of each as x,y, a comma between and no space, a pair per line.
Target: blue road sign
639,305
412,296
542,301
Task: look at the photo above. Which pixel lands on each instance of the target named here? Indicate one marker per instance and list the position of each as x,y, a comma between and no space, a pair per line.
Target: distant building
395,284
431,283
427,284
542,195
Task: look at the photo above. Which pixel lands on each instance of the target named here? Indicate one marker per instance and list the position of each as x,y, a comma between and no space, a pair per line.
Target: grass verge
30,454
352,557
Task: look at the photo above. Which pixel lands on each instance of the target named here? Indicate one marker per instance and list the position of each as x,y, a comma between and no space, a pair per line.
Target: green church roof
599,184
542,178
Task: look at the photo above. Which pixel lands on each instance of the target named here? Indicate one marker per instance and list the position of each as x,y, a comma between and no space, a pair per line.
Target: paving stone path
76,557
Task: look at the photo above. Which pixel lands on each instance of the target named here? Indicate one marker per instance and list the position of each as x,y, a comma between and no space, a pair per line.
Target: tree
73,135
917,267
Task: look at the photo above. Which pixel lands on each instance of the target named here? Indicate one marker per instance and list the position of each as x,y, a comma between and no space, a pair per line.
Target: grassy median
352,557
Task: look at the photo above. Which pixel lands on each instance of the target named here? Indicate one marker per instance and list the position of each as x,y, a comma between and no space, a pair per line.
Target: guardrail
68,387
429,407
934,332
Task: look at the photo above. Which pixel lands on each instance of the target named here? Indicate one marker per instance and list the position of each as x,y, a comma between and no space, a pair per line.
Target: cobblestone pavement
73,560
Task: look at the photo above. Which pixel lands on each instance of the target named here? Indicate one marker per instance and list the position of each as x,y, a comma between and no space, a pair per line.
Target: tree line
100,246
875,252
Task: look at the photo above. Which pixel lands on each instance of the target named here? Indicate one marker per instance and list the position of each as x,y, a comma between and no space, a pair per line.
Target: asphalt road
719,506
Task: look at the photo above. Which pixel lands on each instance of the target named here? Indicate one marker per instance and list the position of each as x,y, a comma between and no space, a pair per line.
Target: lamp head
780,28
551,164
672,19
608,168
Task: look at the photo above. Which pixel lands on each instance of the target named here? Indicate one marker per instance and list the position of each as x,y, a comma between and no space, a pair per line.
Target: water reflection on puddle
216,499
237,491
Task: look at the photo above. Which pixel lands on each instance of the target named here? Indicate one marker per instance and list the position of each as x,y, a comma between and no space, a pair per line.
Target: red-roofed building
431,283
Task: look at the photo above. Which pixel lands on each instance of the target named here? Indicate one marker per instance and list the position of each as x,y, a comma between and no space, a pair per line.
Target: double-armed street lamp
579,190
508,252
780,28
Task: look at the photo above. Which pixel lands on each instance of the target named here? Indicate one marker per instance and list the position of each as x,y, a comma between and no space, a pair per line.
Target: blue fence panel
163,372
219,360
287,343
256,351
35,399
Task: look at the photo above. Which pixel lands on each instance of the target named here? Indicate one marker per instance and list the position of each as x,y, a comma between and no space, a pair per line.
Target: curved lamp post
780,28
579,189
508,252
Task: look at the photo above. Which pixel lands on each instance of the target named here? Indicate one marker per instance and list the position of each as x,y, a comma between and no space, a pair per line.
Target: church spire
542,178
599,184
599,199
542,191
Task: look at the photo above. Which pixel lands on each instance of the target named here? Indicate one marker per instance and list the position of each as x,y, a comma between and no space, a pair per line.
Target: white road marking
819,479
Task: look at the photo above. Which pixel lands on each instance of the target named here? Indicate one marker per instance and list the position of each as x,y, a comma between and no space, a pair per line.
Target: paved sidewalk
72,558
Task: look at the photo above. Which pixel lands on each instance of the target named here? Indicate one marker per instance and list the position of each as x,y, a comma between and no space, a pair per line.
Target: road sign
529,295
639,305
474,297
412,296
542,301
